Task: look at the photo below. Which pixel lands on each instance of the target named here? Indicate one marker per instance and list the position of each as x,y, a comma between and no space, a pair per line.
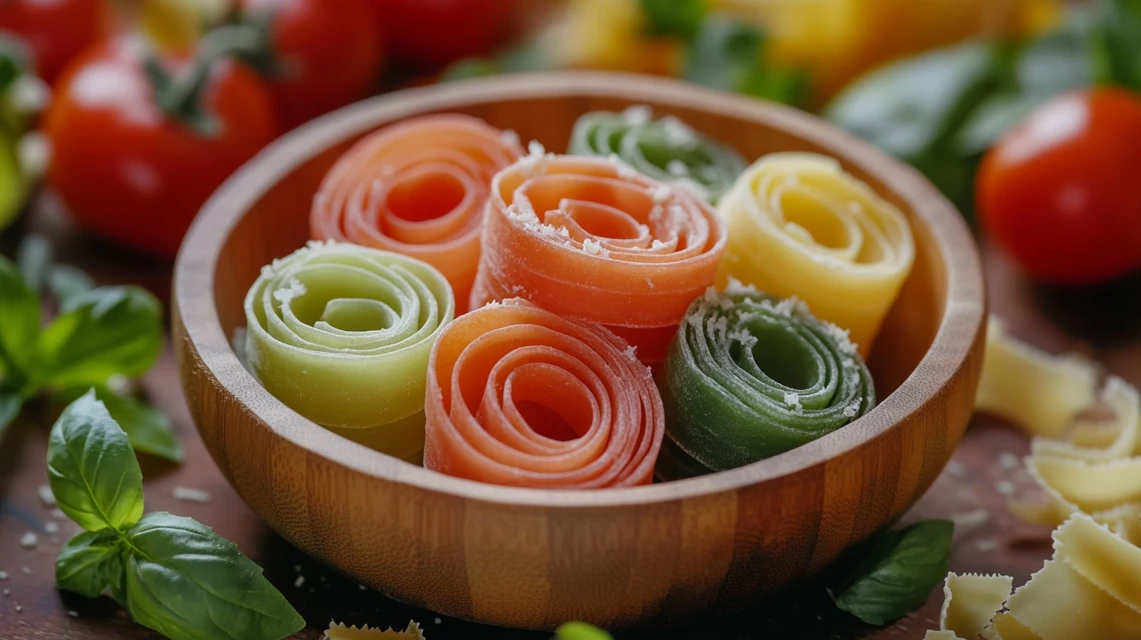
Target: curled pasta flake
799,225
338,631
342,334
1039,392
1090,486
594,241
1123,519
1096,442
971,601
666,150
941,635
1007,627
519,396
750,376
418,187
1076,595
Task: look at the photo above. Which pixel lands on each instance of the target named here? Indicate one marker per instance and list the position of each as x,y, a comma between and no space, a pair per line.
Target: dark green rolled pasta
750,376
666,149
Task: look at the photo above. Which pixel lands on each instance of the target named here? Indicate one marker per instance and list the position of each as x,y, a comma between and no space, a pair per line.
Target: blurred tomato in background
436,32
56,31
134,158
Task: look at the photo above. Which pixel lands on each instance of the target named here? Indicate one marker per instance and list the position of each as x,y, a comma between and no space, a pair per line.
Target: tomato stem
181,96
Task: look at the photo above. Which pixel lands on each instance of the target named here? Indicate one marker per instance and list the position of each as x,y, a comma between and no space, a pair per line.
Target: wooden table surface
1105,323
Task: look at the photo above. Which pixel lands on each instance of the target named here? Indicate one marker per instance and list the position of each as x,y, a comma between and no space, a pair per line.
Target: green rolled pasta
342,334
750,376
666,149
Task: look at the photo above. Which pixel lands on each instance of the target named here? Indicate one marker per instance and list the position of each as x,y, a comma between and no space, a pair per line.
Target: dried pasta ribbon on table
1007,627
519,396
1039,392
750,376
1090,590
339,631
342,334
799,225
1098,441
667,149
595,241
419,188
971,601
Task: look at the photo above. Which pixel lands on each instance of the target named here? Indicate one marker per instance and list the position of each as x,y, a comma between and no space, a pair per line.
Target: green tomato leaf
103,332
469,68
148,429
10,404
90,563
93,472
187,583
19,322
1117,43
899,572
580,631
35,260
67,282
680,18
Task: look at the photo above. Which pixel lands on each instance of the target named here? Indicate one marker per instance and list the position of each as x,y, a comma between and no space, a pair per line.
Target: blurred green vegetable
21,96
580,631
942,110
680,18
727,54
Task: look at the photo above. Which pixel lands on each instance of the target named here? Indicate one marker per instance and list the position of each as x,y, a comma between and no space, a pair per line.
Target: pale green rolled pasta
342,334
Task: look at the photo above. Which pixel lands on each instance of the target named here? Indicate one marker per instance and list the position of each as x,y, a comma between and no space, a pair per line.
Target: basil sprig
172,574
99,337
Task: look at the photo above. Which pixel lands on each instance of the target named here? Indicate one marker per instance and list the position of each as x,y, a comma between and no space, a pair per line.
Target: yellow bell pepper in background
176,25
837,40
609,34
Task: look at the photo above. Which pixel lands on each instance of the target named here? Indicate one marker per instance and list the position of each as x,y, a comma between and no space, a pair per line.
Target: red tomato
328,57
1061,193
437,32
129,171
56,31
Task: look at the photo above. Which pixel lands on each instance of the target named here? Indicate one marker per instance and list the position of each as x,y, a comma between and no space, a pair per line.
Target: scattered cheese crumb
27,571
51,528
677,168
438,621
1005,488
792,399
3,575
1008,461
73,613
677,132
650,283
661,193
592,247
638,115
187,494
58,514
509,137
299,581
536,149
7,592
956,468
46,495
970,519
990,544
851,410
29,540
657,244
632,352
362,587
19,608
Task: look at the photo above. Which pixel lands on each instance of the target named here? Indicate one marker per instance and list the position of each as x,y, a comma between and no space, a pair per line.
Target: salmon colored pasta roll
800,226
417,188
595,241
342,335
519,396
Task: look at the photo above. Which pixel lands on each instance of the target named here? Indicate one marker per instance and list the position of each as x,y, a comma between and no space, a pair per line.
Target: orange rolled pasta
519,396
595,241
418,188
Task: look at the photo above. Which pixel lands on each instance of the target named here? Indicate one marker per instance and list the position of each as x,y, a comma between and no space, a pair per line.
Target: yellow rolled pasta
799,225
342,334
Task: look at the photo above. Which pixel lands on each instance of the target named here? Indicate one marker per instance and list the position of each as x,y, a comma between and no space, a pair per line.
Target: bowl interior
275,222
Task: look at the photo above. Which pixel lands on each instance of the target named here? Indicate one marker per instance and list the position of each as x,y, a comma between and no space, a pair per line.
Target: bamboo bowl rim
194,278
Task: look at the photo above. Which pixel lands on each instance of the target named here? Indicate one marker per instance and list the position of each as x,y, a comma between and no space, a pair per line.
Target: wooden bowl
621,558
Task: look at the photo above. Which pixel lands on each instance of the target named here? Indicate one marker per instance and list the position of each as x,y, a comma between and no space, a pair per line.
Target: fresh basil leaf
34,257
10,404
93,472
148,429
187,583
580,631
899,572
906,107
1117,43
91,563
19,322
103,332
66,283
680,18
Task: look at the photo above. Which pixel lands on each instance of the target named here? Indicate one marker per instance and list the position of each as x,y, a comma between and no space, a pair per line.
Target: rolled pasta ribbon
342,334
595,241
799,225
667,150
750,376
519,396
418,188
